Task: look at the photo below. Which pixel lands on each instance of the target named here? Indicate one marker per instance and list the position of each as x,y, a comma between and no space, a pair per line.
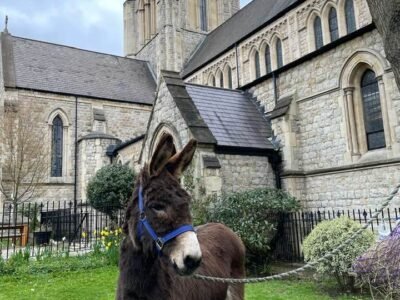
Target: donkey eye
157,207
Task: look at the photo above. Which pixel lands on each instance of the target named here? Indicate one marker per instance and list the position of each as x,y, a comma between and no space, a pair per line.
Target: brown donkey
154,268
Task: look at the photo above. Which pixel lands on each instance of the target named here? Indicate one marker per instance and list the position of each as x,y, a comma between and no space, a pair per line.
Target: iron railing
59,226
293,228
53,226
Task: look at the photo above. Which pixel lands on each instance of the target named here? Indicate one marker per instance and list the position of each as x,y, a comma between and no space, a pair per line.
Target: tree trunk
386,16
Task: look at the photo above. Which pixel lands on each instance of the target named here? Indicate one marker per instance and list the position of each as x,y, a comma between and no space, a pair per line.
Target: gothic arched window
221,80
228,74
203,15
257,69
372,111
267,56
211,80
350,16
279,55
333,25
57,147
319,42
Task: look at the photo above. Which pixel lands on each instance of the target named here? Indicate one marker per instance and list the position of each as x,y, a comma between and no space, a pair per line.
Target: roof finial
6,25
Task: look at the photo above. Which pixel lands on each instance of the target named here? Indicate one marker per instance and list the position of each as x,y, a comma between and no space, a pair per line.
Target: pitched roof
37,65
254,15
232,118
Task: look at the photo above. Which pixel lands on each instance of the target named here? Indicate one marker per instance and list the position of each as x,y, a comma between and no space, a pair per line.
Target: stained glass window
319,42
203,15
372,111
257,64
279,55
57,148
333,25
350,16
229,74
267,59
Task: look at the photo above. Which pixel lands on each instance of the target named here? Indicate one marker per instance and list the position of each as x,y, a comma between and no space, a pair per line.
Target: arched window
319,42
228,78
203,15
211,80
372,111
257,69
333,25
221,80
279,55
57,147
267,55
350,16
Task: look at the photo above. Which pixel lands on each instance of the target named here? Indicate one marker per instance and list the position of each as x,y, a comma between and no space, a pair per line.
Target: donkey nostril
192,263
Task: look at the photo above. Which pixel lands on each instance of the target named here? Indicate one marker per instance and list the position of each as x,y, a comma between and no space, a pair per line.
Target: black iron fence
293,228
53,226
62,226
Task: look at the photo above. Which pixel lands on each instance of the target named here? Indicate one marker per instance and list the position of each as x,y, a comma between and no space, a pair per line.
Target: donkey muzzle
186,255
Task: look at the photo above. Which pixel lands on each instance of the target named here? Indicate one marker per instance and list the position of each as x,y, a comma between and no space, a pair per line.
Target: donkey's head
165,208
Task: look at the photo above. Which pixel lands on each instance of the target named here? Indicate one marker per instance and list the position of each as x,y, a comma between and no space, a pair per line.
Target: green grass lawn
100,283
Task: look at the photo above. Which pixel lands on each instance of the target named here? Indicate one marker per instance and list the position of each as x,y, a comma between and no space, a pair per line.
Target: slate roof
254,15
60,69
232,118
281,108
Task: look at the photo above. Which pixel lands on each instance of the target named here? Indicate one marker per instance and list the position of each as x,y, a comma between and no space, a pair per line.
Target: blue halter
159,241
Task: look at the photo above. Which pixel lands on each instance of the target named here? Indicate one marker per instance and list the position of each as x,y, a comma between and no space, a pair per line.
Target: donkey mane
144,274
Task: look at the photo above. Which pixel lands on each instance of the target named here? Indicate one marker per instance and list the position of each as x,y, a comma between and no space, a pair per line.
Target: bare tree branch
26,152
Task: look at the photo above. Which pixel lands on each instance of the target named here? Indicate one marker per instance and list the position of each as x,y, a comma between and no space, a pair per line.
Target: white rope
309,265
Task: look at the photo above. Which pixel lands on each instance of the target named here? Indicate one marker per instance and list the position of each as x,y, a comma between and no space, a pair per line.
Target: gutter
237,66
76,158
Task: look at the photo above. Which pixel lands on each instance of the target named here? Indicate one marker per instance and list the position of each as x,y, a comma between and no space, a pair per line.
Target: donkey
162,249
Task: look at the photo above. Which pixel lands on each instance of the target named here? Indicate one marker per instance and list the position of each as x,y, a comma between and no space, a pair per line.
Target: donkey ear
181,160
165,149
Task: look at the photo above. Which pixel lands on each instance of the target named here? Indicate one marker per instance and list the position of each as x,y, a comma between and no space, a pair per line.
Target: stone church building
294,94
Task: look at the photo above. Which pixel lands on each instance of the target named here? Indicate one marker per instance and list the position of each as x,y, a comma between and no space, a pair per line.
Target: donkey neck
149,276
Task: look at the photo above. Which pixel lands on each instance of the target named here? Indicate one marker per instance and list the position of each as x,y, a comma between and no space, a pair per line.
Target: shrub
110,188
253,215
325,237
379,268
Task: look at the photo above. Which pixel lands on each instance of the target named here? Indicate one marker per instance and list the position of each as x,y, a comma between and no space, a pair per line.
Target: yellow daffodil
84,235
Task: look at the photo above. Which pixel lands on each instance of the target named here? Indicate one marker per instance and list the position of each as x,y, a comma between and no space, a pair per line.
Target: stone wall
358,188
130,155
92,157
294,30
316,138
165,117
178,32
242,172
123,120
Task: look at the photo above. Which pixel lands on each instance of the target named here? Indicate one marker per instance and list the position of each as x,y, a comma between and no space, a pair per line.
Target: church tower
166,32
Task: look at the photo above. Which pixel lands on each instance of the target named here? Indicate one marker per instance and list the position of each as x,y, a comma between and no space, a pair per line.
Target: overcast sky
88,24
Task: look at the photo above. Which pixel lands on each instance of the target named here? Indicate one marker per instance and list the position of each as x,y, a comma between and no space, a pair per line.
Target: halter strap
159,241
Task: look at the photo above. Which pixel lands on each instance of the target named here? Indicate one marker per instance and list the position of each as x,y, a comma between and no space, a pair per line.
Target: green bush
253,215
328,235
110,188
